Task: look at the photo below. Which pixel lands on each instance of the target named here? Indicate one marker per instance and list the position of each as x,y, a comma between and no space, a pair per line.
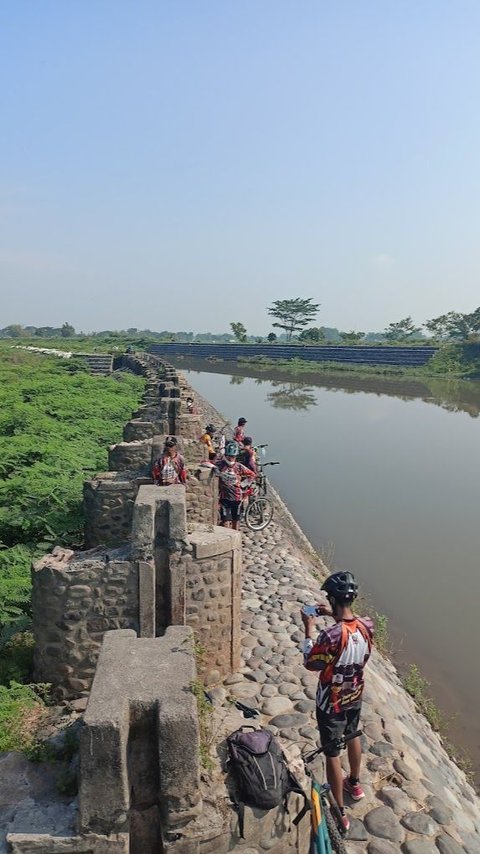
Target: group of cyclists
339,653
234,462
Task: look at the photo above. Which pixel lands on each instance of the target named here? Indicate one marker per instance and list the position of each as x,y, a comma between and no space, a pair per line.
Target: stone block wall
76,598
212,600
108,503
202,496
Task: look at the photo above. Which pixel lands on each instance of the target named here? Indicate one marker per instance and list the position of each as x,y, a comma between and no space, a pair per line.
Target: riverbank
457,361
418,800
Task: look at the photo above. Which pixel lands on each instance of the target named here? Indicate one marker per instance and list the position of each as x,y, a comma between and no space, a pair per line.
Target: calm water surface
384,477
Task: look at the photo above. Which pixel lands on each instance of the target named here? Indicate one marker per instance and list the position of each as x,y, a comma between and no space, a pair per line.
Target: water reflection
452,395
390,475
295,396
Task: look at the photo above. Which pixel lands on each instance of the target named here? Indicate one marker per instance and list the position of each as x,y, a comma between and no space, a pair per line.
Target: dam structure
161,604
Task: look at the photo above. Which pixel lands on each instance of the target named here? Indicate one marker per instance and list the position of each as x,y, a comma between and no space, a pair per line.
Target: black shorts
336,726
229,510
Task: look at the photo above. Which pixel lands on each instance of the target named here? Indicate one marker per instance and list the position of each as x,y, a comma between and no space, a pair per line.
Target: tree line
292,316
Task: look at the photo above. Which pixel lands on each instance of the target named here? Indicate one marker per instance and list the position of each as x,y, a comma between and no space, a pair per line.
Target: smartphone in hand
310,610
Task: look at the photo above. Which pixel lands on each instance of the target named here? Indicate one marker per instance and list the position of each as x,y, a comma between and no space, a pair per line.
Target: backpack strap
240,810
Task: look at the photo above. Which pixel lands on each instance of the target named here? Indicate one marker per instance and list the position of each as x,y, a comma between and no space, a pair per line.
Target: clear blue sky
181,164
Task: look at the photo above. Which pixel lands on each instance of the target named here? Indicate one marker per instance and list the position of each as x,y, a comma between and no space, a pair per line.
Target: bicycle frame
322,799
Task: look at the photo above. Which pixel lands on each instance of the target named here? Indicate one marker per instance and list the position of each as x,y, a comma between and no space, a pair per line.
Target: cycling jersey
340,654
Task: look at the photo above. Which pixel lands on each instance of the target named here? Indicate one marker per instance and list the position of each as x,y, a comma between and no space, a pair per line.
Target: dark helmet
170,442
210,428
341,586
242,421
231,449
247,440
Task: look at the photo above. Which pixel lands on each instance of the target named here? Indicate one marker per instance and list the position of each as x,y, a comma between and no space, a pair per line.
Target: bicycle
326,837
256,508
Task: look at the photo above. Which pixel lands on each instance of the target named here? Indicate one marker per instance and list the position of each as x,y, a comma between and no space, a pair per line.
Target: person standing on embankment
339,654
169,469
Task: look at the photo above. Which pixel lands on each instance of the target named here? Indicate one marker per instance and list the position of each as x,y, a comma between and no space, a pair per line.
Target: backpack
260,772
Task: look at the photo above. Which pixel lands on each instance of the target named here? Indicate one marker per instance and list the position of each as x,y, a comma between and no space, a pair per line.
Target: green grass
21,711
418,687
56,422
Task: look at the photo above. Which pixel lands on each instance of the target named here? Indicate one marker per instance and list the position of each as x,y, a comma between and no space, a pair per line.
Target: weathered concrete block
130,455
89,843
189,426
217,541
159,516
130,761
138,430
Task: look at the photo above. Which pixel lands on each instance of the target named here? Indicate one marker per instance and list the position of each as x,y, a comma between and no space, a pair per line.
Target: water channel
384,477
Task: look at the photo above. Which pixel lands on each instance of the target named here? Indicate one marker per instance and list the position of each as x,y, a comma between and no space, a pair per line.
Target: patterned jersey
239,434
169,470
247,458
231,479
339,654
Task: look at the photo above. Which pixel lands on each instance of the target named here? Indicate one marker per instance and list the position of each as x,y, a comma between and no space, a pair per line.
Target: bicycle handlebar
262,465
337,742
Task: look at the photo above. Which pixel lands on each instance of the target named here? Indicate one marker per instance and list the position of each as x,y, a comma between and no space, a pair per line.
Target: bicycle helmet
170,442
247,440
231,449
210,428
341,586
242,421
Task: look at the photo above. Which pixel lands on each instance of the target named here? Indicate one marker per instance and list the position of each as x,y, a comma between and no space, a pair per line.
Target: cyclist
169,469
340,654
190,404
207,439
239,432
231,474
247,454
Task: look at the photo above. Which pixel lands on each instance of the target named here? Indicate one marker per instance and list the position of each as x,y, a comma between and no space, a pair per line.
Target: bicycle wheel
259,514
336,837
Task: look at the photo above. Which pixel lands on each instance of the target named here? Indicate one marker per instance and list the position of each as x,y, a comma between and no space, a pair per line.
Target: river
384,477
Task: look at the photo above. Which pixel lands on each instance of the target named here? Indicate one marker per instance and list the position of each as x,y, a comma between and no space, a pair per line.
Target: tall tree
239,331
313,335
293,314
403,330
455,326
67,330
271,337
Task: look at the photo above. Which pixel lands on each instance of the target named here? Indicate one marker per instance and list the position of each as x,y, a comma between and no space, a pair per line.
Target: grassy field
56,422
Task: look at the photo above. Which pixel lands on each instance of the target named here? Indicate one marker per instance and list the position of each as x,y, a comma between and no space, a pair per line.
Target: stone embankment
417,800
114,628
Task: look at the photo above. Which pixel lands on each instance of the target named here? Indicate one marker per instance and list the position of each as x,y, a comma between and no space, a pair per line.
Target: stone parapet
108,506
76,598
213,573
140,746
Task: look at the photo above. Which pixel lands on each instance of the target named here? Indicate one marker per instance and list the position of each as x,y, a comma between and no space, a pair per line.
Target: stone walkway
417,800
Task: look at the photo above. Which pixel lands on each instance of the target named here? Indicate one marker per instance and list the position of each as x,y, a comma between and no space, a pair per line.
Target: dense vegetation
56,422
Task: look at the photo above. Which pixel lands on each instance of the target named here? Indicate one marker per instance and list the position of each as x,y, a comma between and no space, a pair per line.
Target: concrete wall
145,568
125,613
361,355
